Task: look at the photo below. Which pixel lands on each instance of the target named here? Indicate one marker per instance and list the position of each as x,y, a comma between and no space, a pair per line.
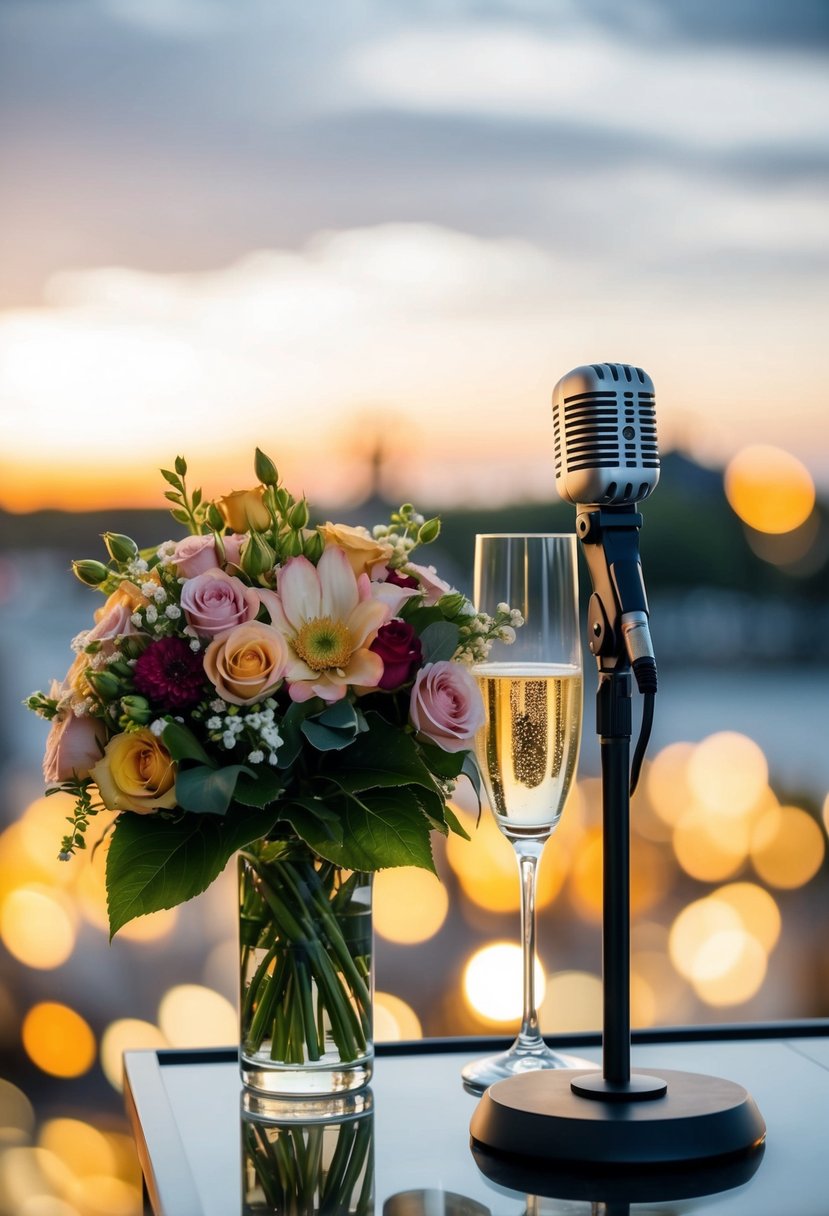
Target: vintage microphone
607,461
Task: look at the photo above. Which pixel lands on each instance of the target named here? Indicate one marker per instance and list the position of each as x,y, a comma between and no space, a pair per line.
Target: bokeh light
493,982
409,905
127,1034
573,1001
17,1116
714,948
787,847
82,1148
58,1040
728,773
394,1019
710,846
193,1016
769,489
667,783
37,927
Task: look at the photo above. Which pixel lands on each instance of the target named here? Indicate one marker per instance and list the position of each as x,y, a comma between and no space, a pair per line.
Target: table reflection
308,1159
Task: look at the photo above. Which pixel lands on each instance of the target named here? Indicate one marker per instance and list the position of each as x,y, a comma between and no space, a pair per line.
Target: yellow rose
246,664
361,549
244,509
136,773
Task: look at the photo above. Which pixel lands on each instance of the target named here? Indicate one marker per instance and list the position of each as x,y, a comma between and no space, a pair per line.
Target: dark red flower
400,580
399,647
170,674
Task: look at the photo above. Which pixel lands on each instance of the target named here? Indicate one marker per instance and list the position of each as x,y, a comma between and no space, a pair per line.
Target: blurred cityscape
729,877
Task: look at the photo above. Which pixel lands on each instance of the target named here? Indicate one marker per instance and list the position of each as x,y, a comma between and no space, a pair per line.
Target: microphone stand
616,1118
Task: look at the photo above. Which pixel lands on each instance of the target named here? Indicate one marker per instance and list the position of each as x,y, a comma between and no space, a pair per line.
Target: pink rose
72,747
215,602
446,706
233,547
431,585
195,555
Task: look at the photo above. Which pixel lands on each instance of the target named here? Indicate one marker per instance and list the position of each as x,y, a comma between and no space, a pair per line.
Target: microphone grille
604,421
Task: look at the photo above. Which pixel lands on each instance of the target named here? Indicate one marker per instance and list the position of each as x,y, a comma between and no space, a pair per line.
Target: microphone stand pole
610,540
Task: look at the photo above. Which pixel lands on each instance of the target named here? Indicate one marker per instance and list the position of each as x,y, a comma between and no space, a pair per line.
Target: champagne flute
528,747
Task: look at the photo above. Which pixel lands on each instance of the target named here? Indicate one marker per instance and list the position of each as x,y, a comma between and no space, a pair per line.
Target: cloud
701,97
451,341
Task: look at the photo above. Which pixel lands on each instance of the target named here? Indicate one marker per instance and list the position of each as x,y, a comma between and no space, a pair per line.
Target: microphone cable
644,670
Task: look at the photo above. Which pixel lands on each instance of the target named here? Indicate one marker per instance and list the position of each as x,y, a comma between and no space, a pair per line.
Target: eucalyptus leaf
454,824
473,773
323,738
208,791
153,863
439,641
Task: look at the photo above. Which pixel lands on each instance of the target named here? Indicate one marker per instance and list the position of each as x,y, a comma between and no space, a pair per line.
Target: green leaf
445,764
439,641
171,496
454,824
171,478
182,744
383,756
291,730
385,828
154,863
181,517
181,466
473,773
419,616
324,739
208,791
334,728
261,788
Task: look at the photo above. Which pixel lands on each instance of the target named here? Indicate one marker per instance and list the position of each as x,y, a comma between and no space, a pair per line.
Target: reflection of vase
306,972
311,1166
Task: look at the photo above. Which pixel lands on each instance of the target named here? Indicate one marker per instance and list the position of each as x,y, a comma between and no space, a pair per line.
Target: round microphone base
538,1117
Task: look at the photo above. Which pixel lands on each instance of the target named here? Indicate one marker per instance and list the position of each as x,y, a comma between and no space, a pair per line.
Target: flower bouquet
299,694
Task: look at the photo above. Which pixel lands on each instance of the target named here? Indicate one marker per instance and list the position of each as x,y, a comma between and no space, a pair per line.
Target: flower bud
121,668
90,572
136,709
131,647
284,501
214,518
313,547
265,469
299,515
120,548
104,683
257,555
181,466
293,545
429,531
454,604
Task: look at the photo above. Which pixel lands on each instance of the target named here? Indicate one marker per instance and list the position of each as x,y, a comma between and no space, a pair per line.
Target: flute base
515,1062
539,1118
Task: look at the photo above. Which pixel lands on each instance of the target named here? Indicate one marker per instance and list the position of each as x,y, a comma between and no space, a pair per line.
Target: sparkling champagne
528,747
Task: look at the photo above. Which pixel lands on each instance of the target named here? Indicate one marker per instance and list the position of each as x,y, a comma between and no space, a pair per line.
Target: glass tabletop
407,1151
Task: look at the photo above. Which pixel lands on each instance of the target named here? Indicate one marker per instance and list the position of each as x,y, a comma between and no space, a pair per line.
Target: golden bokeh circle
787,847
58,1040
769,488
409,905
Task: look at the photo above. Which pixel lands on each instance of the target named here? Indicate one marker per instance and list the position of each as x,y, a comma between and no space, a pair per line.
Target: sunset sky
311,225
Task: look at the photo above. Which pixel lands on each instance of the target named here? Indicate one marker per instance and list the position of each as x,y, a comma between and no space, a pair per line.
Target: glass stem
528,853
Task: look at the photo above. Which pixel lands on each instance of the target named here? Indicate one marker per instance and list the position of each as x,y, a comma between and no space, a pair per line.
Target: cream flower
329,618
360,547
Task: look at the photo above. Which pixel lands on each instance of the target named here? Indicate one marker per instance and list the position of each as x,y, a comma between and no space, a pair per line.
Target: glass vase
306,990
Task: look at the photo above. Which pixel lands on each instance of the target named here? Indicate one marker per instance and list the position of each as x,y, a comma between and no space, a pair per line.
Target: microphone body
606,461
605,435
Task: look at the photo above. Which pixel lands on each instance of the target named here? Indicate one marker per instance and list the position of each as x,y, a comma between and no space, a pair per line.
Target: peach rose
247,664
243,509
361,549
114,619
136,773
72,747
